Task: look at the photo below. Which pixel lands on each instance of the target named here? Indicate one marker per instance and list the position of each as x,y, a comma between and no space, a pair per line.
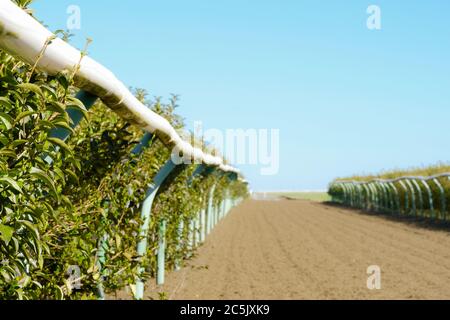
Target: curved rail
437,176
24,37
385,195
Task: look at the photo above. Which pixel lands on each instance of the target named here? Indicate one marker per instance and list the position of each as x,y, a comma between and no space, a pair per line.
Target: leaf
11,182
6,233
6,119
31,227
40,260
18,142
59,173
74,103
50,90
60,143
38,173
3,139
63,124
6,102
59,293
67,202
24,114
31,87
44,124
8,153
36,244
57,106
71,174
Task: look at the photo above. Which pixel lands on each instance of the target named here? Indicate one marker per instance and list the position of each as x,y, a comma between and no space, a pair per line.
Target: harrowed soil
298,249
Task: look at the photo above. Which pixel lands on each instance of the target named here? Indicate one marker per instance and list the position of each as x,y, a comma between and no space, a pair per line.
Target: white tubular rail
440,175
24,37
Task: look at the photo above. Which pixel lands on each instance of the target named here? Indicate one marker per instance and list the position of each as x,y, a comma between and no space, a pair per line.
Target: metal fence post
367,196
383,197
420,196
180,244
161,252
145,216
396,195
430,198
191,237
405,190
210,212
413,197
358,195
389,197
374,205
202,225
443,200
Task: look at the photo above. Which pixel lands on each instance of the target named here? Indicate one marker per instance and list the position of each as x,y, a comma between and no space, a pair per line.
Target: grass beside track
312,196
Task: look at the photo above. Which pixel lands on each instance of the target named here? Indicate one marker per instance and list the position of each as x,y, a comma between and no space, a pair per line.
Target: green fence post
405,190
342,198
355,195
345,194
367,196
413,197
350,196
348,200
202,225
358,195
396,196
430,198
210,212
374,204
382,196
159,179
180,244
420,196
161,252
197,229
390,202
443,200
376,195
191,236
101,260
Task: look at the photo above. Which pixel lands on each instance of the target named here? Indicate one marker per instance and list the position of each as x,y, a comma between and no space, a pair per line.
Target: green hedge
52,215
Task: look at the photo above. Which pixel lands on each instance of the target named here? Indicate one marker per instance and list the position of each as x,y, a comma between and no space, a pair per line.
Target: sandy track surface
303,250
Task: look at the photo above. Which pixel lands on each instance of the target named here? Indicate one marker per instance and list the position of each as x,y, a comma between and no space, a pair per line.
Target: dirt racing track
290,249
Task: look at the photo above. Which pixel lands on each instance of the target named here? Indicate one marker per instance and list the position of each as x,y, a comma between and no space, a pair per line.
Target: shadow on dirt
424,223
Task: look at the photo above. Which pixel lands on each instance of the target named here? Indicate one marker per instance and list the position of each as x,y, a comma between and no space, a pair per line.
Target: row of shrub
394,191
54,213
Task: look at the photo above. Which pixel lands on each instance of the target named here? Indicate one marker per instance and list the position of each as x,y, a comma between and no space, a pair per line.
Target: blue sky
346,99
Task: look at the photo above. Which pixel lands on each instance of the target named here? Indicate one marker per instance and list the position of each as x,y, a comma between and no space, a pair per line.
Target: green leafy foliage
58,198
